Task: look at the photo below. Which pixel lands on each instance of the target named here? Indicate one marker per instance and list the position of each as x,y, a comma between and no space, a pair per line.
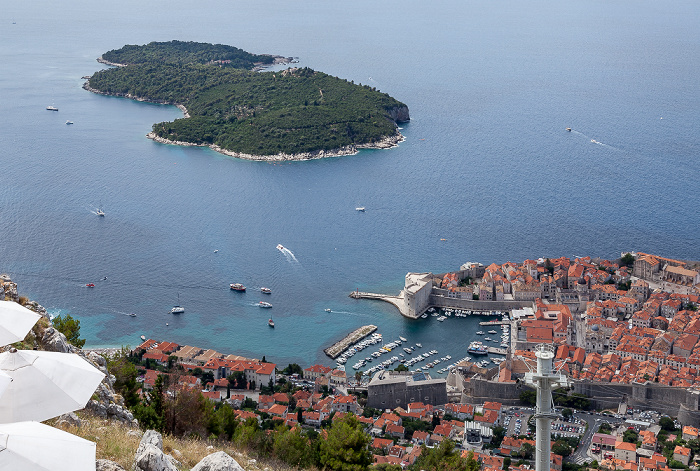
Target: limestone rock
150,437
69,419
107,465
218,461
54,341
151,458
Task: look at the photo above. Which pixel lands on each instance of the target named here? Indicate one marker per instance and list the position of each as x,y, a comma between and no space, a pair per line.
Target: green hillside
261,113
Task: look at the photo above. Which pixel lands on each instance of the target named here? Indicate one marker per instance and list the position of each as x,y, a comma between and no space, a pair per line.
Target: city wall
675,402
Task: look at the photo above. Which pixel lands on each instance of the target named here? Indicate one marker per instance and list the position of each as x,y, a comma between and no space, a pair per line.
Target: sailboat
177,309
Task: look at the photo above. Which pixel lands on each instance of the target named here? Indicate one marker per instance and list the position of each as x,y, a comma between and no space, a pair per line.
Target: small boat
69,122
568,129
419,345
143,337
100,213
271,323
280,247
266,290
327,310
177,309
481,332
424,316
90,285
216,250
237,287
403,339
264,304
360,209
132,314
52,108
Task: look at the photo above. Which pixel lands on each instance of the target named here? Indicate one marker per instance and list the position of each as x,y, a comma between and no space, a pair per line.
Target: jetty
396,301
356,335
494,323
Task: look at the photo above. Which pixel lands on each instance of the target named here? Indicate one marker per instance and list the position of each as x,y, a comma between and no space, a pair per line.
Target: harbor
356,335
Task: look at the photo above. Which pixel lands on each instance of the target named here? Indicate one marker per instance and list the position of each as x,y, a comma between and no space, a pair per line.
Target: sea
487,172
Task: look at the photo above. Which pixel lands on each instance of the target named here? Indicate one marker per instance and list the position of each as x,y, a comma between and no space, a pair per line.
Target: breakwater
356,335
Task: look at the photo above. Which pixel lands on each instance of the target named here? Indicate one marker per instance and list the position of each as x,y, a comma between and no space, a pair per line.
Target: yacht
327,310
492,332
237,287
266,290
264,304
481,332
419,345
403,339
51,108
177,309
360,209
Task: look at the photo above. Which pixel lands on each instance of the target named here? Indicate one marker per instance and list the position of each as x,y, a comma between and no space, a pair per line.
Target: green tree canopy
70,328
346,446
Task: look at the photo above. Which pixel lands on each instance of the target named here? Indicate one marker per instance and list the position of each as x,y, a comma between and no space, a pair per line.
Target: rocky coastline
387,142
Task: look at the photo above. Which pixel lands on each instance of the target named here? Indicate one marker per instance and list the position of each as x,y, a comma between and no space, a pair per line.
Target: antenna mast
544,379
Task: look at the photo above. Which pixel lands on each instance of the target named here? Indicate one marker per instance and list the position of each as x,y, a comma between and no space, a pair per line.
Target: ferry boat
264,304
477,348
237,287
266,290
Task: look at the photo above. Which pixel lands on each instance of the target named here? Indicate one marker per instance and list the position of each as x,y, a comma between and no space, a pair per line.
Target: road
580,455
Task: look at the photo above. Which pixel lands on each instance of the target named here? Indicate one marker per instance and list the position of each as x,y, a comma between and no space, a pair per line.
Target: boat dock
497,351
356,335
495,323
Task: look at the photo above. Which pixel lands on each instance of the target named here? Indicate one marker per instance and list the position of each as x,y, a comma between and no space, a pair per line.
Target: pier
396,301
495,323
356,335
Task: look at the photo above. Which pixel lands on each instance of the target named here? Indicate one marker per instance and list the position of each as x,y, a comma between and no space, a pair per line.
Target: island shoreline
386,142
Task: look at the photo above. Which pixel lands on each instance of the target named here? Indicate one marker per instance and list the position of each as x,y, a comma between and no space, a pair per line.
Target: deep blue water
486,165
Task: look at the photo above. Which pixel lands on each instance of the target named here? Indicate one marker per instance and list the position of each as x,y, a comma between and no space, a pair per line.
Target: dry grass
118,443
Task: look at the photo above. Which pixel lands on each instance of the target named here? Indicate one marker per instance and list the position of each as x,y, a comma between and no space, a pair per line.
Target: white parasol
31,446
45,384
15,322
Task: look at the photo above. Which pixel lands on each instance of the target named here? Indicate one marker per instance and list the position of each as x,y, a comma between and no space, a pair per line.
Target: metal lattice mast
544,379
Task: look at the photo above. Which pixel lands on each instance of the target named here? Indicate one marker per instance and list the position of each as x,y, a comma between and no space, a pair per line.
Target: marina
356,335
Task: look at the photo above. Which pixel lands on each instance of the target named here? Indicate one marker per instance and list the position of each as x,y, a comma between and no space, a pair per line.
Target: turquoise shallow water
486,164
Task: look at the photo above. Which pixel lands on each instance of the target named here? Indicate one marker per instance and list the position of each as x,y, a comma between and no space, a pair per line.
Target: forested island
230,106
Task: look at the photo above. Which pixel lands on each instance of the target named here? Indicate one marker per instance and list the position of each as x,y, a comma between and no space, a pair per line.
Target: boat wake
287,253
593,141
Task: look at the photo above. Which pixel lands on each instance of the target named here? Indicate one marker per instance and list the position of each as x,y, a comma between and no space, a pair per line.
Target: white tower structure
544,379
